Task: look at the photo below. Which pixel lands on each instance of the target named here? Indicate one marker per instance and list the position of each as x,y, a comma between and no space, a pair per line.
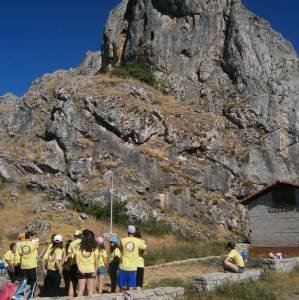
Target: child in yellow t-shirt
102,263
53,270
8,260
115,257
233,262
87,261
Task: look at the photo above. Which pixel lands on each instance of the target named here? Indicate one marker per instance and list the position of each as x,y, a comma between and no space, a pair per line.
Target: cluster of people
81,262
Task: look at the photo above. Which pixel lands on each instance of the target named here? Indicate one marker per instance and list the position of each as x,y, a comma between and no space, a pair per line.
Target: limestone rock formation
230,126
228,60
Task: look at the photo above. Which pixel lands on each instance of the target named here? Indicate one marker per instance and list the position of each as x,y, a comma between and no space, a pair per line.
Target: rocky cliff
224,122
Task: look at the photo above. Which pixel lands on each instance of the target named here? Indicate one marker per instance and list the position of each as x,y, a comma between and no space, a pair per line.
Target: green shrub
103,212
135,70
155,228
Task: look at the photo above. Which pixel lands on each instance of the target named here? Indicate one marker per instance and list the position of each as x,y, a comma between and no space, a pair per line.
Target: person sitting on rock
233,262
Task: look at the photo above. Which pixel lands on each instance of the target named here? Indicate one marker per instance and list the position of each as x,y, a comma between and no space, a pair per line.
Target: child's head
101,242
57,241
138,233
12,247
114,242
230,245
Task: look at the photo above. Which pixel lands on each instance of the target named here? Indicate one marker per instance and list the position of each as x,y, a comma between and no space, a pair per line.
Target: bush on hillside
135,70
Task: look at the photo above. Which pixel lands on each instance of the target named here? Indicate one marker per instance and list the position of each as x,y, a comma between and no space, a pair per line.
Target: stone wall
210,282
272,228
165,293
282,266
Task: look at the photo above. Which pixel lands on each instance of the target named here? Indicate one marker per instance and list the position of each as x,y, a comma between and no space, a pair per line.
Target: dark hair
52,237
67,245
88,242
12,245
138,233
28,234
101,247
113,246
230,245
56,245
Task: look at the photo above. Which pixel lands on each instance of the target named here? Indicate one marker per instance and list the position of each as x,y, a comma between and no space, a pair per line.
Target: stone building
274,218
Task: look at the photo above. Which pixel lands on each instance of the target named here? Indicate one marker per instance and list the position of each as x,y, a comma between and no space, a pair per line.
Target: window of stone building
283,199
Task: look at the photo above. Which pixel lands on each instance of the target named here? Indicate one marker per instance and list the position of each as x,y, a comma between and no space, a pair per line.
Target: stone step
163,293
210,282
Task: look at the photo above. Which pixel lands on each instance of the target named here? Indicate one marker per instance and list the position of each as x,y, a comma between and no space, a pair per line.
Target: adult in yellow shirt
52,267
8,260
233,262
130,253
102,263
115,258
26,254
87,257
71,254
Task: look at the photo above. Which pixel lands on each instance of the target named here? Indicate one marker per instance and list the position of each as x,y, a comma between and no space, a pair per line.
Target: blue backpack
21,290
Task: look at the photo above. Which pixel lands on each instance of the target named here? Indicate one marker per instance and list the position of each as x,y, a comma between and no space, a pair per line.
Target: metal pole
111,204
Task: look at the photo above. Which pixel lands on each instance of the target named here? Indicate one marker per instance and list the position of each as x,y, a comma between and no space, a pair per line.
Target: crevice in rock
213,160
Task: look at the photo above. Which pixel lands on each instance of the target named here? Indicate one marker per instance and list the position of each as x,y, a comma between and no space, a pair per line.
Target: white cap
77,233
131,229
57,238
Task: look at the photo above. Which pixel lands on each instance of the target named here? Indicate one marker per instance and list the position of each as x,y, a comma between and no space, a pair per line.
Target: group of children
82,262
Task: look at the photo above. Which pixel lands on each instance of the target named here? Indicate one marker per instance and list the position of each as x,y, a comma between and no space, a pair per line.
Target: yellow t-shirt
140,260
73,249
53,257
48,249
26,253
17,258
236,258
130,255
115,253
87,260
102,257
8,255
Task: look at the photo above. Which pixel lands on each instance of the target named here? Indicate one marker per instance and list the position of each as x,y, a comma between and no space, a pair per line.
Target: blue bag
23,287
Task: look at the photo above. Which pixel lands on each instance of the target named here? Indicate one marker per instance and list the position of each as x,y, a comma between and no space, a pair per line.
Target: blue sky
40,36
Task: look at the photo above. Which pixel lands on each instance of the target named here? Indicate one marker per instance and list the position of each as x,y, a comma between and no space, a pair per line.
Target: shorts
140,277
101,270
240,270
126,279
30,275
74,271
85,275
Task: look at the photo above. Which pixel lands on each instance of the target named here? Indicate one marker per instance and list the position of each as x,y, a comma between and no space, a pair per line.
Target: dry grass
184,272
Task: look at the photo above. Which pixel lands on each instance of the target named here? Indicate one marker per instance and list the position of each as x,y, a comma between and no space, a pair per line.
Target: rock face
230,126
91,64
226,58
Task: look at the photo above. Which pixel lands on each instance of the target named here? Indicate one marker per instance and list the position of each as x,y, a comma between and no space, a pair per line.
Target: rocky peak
219,54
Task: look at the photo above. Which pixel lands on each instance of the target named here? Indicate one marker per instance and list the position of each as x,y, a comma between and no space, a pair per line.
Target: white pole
111,204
